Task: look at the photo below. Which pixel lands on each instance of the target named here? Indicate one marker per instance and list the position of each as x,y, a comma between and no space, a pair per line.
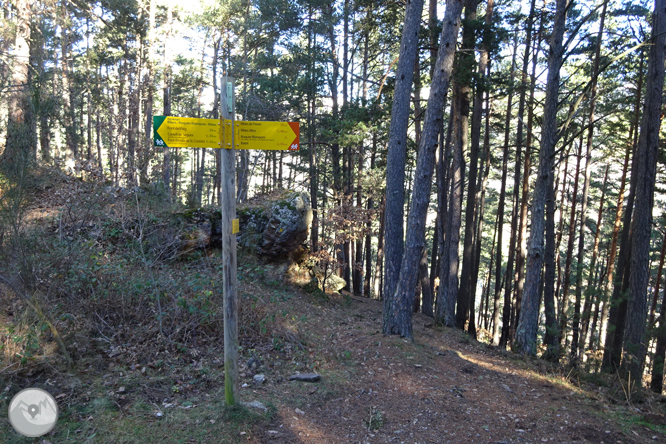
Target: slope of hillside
144,329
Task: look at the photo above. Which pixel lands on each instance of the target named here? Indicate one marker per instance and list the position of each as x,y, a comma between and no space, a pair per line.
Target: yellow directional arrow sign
186,132
267,135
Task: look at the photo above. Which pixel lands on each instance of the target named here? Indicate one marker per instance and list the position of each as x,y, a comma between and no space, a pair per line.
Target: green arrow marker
157,122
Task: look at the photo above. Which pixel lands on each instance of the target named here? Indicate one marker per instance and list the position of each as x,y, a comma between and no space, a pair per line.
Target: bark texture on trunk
526,333
588,158
635,342
466,294
20,143
395,161
500,211
400,314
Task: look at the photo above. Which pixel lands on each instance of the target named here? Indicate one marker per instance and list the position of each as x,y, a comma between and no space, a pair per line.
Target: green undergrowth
104,420
99,261
629,418
142,320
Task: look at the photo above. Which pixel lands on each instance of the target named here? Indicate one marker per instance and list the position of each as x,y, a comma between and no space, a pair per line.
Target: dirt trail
442,388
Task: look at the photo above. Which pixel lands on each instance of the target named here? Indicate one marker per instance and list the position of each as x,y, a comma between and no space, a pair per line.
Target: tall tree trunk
586,186
449,267
593,343
88,95
401,306
144,161
123,93
395,163
635,342
522,234
510,309
657,382
424,282
37,51
522,225
516,255
335,146
216,115
562,213
481,199
657,285
243,173
479,203
566,287
67,91
467,289
439,165
312,147
201,168
486,324
551,337
358,262
444,240
98,144
432,34
434,254
133,129
379,276
500,210
618,303
592,290
20,142
175,184
526,332
575,324
368,237
612,251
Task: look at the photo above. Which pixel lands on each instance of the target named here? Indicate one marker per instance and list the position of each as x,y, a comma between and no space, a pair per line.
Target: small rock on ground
259,379
305,377
255,404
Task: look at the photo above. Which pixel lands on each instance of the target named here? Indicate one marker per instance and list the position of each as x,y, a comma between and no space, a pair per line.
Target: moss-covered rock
288,225
252,223
271,225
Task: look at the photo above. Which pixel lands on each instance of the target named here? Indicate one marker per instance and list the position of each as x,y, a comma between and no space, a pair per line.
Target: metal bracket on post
231,97
228,213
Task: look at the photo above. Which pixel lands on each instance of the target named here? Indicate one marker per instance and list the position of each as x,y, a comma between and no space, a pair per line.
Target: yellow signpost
229,135
186,132
267,135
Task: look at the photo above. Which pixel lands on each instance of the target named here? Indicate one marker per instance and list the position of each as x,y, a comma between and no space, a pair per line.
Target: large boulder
271,225
274,226
288,225
252,223
333,282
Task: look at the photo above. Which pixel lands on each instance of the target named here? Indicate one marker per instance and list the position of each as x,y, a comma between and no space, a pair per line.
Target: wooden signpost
226,133
228,213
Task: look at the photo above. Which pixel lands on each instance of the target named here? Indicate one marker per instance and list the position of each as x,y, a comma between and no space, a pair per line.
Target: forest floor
441,388
130,385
